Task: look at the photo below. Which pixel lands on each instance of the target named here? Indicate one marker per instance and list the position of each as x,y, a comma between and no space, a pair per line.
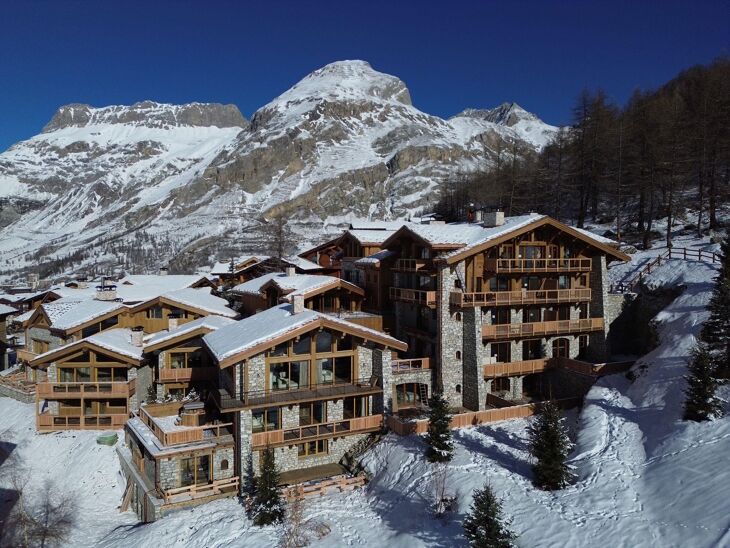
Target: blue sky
452,55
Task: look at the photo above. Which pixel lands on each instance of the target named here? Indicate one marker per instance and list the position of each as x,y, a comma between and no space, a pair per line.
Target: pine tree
440,446
267,505
716,332
484,526
550,445
701,403
249,478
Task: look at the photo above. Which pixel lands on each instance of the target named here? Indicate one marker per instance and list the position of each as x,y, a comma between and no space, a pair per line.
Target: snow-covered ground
645,478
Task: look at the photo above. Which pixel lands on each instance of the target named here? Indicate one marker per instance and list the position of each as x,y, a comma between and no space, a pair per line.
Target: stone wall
287,458
449,369
219,455
43,334
597,347
169,473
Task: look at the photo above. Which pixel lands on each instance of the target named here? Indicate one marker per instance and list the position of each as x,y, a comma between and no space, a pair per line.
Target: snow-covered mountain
344,141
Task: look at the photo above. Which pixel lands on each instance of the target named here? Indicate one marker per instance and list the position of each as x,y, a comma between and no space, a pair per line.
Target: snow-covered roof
224,267
371,236
207,322
67,315
302,263
253,287
269,325
202,299
360,224
117,340
597,237
4,310
486,234
155,447
143,287
25,316
375,258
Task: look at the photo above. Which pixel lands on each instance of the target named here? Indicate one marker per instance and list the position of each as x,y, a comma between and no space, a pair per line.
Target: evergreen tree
267,505
716,332
440,446
249,478
484,526
550,445
701,403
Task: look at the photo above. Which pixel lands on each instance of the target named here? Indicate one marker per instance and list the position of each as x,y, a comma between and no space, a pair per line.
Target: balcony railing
538,265
409,365
515,298
427,298
540,329
188,374
52,390
317,431
25,355
509,369
189,434
413,265
312,392
49,423
192,492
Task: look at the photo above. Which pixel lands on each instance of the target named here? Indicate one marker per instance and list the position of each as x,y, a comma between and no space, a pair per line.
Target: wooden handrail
48,422
187,435
413,295
412,265
313,431
538,329
510,298
538,265
507,369
672,253
80,389
187,374
199,491
412,364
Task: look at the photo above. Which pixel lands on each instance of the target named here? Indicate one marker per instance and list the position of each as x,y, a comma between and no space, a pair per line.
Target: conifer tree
484,526
701,403
440,446
716,332
267,505
249,478
550,445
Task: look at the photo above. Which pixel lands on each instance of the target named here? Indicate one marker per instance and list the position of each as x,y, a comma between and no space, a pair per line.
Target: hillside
133,186
643,474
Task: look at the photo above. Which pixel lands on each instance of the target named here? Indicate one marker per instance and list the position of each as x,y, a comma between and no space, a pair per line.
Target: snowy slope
101,184
645,478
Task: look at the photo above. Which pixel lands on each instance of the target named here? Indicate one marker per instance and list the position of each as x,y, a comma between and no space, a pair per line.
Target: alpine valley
130,187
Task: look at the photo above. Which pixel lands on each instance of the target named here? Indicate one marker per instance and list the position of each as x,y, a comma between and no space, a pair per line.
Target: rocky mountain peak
148,114
506,114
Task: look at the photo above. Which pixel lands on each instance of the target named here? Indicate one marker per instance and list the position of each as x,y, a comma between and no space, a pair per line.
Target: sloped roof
362,224
117,341
253,287
5,310
375,258
238,340
79,312
211,323
224,267
201,299
299,284
373,237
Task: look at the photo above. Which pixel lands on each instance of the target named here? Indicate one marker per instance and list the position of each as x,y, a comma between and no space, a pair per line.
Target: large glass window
532,349
408,394
563,282
312,413
154,313
500,316
195,470
501,351
325,371
313,448
357,406
266,420
324,341
289,375
343,369
531,314
303,345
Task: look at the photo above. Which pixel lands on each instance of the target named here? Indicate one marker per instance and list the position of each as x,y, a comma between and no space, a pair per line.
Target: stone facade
43,334
449,368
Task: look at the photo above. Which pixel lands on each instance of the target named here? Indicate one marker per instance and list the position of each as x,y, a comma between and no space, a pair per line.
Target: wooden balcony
216,488
413,265
25,355
188,374
426,298
188,434
592,369
62,390
50,423
510,369
344,427
541,329
411,365
518,298
313,392
506,266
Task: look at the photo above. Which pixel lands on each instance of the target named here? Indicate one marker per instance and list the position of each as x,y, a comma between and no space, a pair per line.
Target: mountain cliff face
125,186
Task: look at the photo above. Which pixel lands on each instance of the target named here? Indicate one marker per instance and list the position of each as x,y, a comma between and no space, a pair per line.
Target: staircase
423,392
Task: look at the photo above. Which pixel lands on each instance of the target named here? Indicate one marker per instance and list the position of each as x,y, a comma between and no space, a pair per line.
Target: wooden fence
323,487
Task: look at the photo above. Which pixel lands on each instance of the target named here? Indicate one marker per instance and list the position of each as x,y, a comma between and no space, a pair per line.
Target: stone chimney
82,282
106,292
173,321
493,219
33,281
163,271
290,271
297,304
137,336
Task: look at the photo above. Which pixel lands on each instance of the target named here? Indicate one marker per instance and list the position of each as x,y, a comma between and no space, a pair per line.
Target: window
311,448
582,346
324,341
498,283
312,413
90,330
289,375
501,352
407,394
154,313
457,317
458,389
303,345
186,360
531,314
357,406
345,343
561,348
74,374
224,464
583,311
195,470
458,354
531,283
266,420
501,316
563,282
532,349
